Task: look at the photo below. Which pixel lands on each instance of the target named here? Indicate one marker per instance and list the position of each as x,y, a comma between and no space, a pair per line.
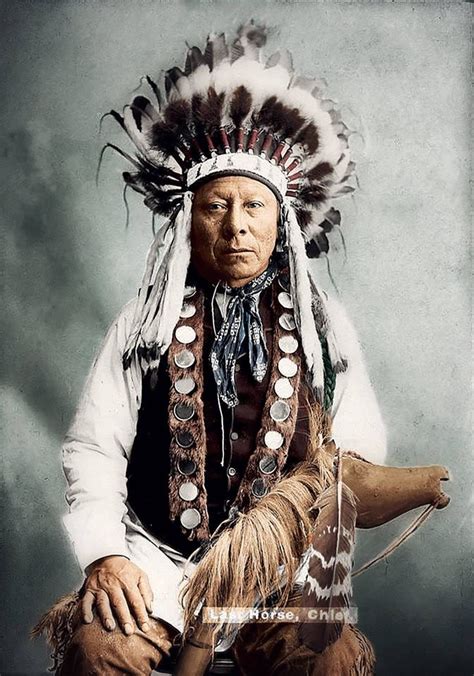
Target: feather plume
240,105
314,194
319,171
178,115
209,113
308,137
328,584
163,138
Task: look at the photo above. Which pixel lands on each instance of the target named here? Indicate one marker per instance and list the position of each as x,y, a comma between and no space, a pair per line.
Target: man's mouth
239,250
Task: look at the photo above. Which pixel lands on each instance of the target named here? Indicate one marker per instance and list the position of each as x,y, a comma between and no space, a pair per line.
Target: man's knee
95,651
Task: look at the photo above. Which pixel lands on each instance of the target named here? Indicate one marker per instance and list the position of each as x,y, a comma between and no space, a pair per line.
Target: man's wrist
88,569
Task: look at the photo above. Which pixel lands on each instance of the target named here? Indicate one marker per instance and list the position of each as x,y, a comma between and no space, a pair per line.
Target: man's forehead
234,186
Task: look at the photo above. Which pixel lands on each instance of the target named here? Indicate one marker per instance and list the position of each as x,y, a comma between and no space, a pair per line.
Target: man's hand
117,588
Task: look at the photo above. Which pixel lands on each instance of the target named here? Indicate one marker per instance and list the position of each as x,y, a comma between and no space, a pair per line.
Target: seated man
201,397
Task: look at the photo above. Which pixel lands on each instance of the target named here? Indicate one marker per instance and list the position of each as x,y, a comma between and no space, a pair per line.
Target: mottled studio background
402,72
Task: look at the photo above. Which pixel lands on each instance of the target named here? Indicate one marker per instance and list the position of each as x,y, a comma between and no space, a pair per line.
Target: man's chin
237,275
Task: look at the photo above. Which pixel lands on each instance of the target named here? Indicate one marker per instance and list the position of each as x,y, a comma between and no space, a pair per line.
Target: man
200,399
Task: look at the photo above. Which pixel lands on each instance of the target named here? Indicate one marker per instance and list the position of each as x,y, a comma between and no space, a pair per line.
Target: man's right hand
118,589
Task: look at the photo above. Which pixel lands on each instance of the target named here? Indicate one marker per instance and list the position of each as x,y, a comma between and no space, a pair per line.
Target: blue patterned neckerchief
241,328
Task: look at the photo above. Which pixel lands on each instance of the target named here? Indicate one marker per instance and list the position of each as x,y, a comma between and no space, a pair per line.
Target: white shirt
99,442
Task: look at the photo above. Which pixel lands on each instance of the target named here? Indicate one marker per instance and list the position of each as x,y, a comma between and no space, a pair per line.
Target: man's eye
254,204
215,206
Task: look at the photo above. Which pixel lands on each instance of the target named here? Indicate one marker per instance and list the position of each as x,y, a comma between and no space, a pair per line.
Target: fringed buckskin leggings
272,649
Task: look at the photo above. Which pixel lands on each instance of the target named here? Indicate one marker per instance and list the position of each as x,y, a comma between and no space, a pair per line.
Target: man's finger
104,610
87,604
146,592
121,611
138,608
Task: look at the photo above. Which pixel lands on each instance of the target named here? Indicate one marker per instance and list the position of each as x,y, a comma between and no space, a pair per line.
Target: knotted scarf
241,328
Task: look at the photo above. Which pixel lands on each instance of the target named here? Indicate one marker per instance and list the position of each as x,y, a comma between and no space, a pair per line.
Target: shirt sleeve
97,447
357,421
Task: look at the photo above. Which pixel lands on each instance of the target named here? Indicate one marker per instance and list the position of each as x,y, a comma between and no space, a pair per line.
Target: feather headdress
231,112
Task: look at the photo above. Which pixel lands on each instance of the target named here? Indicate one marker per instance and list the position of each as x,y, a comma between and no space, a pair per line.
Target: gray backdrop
402,72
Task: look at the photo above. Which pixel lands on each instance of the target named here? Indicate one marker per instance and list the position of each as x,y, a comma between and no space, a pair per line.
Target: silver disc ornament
279,411
185,334
267,465
188,310
283,388
287,367
274,439
285,300
185,385
183,412
184,359
190,518
188,491
288,344
287,321
187,467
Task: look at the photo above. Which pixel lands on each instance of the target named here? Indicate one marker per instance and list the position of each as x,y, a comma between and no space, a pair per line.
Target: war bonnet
231,112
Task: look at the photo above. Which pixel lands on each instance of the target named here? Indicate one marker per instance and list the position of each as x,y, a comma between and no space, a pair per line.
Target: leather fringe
57,626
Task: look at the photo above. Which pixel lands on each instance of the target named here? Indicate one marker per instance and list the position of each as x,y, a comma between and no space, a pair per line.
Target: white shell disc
283,388
185,334
274,439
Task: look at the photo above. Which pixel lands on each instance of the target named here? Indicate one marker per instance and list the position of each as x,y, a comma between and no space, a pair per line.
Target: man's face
234,229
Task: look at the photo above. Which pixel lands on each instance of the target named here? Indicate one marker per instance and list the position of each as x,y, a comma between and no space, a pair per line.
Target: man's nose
235,221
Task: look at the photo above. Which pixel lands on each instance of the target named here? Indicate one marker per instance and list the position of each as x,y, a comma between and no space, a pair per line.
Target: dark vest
148,468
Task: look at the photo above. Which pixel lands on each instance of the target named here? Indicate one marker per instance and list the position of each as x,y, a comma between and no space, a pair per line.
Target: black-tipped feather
156,91
138,107
171,78
194,59
117,117
318,245
216,50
